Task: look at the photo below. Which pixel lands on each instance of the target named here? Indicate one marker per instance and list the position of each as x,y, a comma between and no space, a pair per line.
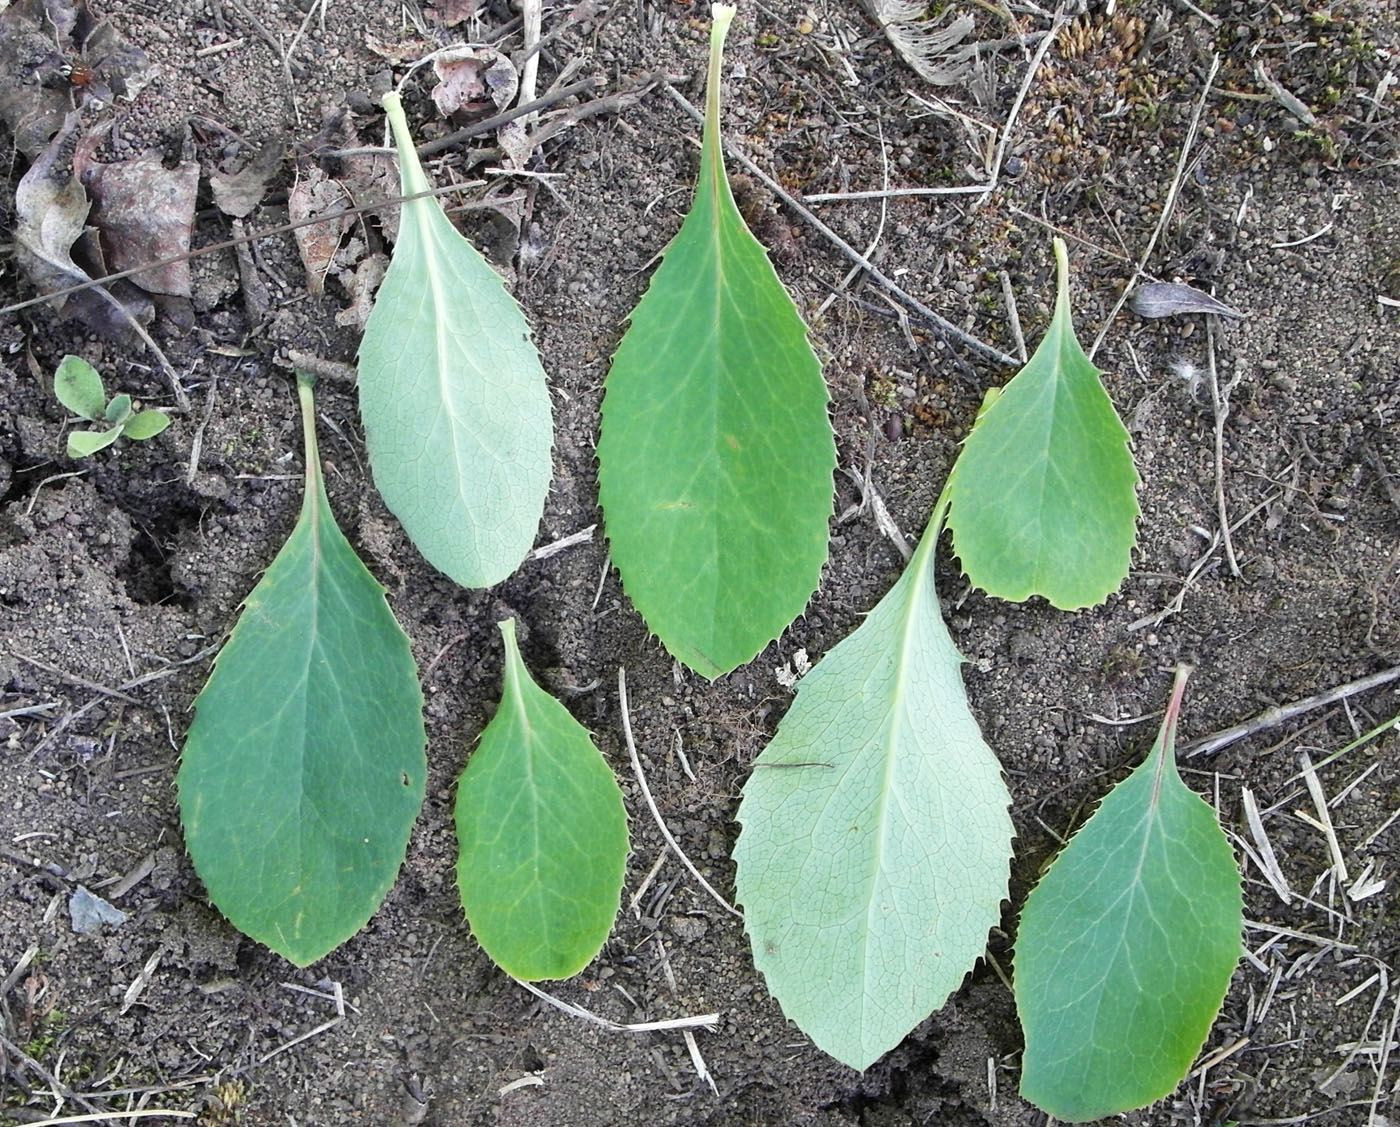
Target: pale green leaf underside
871,873
1043,498
715,452
542,834
454,400
1126,947
83,443
146,424
304,768
77,385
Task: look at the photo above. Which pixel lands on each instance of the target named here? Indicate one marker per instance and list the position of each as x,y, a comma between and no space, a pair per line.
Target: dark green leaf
304,768
715,453
1127,944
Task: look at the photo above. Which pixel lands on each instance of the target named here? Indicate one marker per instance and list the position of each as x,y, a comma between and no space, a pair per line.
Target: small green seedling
78,387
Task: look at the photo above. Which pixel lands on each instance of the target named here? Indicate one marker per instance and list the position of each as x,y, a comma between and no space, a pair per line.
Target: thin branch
707,1021
1167,208
1273,717
651,802
987,350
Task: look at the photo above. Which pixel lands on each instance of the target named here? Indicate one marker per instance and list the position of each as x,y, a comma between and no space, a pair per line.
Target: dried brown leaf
449,13
315,194
473,81
145,213
238,193
39,39
51,209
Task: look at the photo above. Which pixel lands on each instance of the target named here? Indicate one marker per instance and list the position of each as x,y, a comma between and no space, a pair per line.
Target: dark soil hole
18,484
146,574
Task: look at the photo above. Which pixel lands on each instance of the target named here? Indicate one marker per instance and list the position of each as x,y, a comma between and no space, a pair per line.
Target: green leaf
875,847
146,424
1043,498
1127,944
454,401
542,832
78,387
82,443
715,453
304,768
119,410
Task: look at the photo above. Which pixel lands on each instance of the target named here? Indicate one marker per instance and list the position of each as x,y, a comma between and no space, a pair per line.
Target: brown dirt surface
119,575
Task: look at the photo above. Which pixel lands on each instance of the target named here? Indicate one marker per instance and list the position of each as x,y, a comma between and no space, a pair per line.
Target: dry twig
1186,147
1273,717
707,1021
946,326
651,802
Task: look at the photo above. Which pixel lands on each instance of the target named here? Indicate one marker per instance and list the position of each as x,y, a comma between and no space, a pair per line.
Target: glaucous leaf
304,768
715,453
542,834
83,443
77,385
453,397
119,409
1127,944
876,844
1043,497
146,424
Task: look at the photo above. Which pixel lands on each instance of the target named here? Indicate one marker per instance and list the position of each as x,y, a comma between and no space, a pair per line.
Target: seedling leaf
715,453
78,387
1127,944
83,443
1043,498
542,833
119,410
146,424
875,846
454,400
304,768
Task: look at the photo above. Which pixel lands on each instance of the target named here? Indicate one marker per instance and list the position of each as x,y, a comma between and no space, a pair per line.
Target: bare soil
133,562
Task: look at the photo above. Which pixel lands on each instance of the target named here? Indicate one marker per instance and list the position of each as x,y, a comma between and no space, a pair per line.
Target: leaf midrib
902,649
425,222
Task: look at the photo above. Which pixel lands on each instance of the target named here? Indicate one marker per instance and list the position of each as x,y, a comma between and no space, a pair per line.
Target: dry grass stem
913,303
646,884
1267,860
103,1116
1167,207
1220,402
582,536
1324,818
338,997
705,1021
1273,717
651,802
